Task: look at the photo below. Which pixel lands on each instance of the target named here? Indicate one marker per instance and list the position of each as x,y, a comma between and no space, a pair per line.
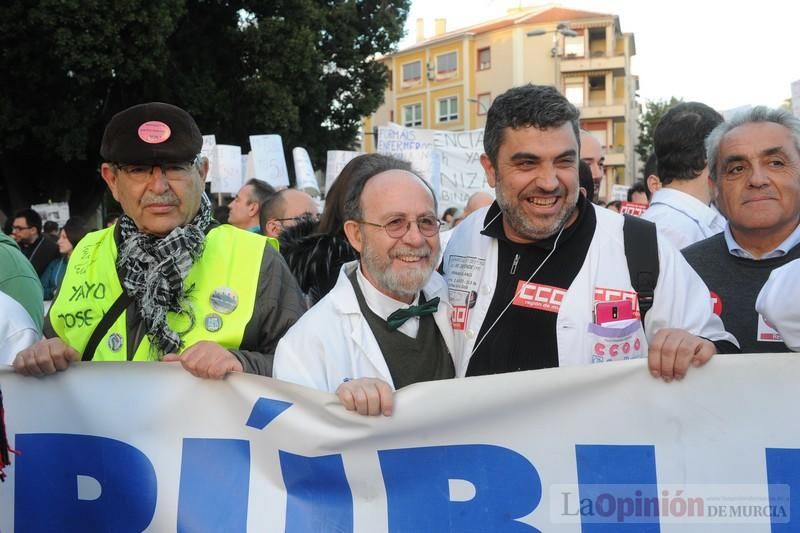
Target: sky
724,54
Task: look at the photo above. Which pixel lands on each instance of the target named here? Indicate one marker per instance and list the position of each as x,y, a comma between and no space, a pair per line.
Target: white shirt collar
688,205
383,305
782,249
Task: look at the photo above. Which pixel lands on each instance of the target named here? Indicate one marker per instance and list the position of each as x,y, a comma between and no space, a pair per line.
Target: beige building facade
448,81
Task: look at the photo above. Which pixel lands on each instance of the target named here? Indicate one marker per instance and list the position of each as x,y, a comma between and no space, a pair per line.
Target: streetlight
561,29
481,104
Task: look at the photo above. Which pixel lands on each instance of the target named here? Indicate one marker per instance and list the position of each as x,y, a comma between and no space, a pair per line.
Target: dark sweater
736,281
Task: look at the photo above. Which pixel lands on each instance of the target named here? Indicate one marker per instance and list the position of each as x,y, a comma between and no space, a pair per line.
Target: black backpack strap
105,324
641,252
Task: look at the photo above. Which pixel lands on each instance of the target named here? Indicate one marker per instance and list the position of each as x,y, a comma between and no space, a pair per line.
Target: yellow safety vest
221,289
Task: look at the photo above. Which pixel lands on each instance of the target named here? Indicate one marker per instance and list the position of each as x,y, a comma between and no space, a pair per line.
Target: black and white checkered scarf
154,269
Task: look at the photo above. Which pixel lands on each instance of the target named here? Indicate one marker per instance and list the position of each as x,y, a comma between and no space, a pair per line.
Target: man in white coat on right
386,322
540,279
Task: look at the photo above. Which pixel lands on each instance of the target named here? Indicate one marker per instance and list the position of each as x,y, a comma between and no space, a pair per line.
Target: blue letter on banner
317,492
618,488
46,490
215,485
783,477
507,487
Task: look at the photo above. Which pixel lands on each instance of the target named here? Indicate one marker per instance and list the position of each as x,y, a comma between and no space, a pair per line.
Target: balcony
603,111
587,64
615,158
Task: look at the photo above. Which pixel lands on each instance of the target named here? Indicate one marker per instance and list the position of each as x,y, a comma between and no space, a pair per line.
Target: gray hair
749,116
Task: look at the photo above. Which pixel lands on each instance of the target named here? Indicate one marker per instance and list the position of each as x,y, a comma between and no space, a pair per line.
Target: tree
300,68
653,111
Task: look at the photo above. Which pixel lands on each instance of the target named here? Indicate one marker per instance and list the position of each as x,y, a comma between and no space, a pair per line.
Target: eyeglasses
172,171
399,226
20,228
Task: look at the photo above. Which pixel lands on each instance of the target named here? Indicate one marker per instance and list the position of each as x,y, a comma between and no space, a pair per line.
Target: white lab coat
777,303
17,329
681,298
332,341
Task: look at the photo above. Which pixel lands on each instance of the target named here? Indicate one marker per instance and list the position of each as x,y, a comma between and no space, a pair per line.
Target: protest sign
269,162
460,170
632,208
305,180
228,178
209,152
56,211
413,145
336,161
148,447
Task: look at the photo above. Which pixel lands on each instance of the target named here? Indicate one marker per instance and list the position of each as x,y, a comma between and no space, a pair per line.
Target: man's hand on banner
673,350
207,359
45,357
367,396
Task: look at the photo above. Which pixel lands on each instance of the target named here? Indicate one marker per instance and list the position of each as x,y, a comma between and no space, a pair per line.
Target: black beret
151,133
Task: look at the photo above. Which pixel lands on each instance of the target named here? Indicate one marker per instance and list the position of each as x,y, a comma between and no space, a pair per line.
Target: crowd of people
376,292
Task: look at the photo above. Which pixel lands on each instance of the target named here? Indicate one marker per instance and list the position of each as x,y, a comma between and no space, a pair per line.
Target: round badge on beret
154,132
224,300
115,342
213,322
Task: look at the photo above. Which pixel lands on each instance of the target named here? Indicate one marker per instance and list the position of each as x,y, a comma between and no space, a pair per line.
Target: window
484,58
484,103
446,63
573,91
412,116
412,72
575,46
448,109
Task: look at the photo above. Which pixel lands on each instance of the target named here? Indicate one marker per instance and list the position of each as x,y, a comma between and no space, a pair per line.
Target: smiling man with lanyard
540,278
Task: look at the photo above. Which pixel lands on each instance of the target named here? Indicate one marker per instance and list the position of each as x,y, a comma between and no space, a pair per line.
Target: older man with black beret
167,282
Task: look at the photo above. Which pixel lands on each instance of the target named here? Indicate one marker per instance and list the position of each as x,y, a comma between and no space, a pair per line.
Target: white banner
228,176
336,160
305,179
269,162
148,447
460,171
55,211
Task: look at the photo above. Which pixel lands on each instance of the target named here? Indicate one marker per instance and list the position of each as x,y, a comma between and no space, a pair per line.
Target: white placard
305,180
413,145
229,169
619,192
460,169
336,161
209,152
56,211
269,162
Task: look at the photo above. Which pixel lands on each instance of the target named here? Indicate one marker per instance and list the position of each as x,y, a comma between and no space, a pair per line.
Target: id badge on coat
617,341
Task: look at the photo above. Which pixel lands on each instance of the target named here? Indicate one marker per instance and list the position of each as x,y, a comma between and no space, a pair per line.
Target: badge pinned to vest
115,342
224,300
213,322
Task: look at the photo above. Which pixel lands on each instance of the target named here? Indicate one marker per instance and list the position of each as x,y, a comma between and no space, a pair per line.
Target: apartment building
448,81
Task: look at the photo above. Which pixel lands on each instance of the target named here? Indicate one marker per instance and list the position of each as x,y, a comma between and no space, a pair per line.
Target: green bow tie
399,317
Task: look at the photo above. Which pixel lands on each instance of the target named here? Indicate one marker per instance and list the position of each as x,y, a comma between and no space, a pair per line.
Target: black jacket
315,259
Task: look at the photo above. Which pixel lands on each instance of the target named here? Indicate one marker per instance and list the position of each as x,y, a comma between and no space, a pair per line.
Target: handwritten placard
269,163
228,178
